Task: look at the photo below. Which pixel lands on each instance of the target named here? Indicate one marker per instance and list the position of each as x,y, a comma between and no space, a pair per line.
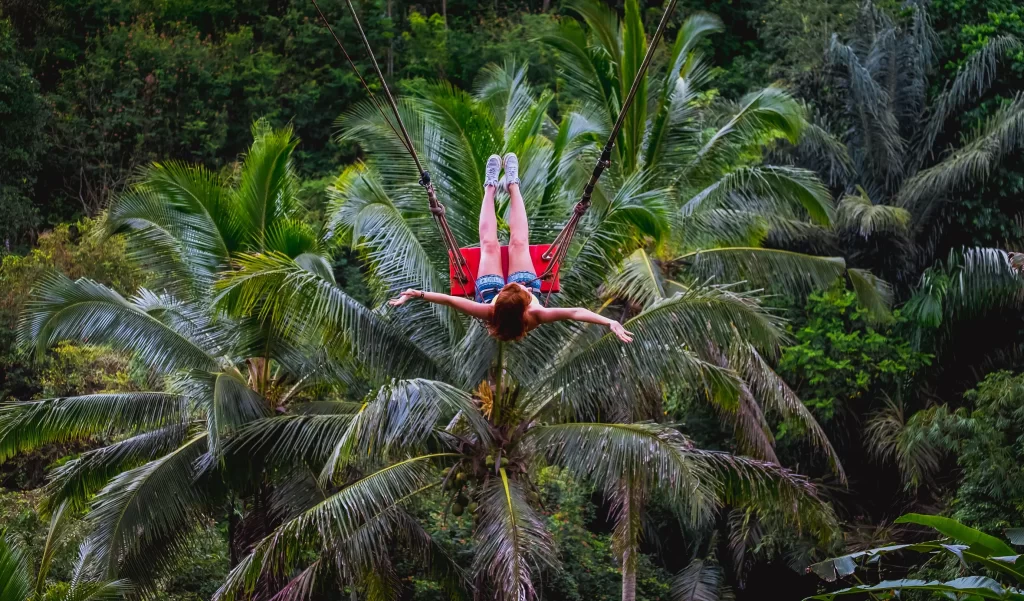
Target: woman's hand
622,333
405,297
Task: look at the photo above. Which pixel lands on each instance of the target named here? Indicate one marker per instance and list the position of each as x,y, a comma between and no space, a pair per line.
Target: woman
510,309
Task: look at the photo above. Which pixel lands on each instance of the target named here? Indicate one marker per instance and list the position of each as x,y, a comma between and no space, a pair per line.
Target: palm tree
721,200
883,158
709,153
158,475
566,396
879,148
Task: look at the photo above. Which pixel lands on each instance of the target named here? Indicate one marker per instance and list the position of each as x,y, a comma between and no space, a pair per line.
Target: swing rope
437,209
559,247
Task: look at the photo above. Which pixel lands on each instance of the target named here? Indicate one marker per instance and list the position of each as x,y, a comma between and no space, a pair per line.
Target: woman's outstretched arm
463,305
547,315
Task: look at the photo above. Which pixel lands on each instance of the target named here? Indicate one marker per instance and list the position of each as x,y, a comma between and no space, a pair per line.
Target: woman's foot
492,170
511,169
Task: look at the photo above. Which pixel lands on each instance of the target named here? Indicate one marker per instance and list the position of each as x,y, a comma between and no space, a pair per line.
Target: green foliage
842,362
25,527
796,32
589,569
77,250
970,546
74,370
113,86
13,573
987,217
196,576
23,116
986,438
94,91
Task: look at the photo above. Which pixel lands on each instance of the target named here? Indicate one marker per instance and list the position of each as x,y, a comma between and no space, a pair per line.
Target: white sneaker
492,170
511,169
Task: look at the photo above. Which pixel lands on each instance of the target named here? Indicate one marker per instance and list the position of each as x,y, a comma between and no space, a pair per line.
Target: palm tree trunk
444,12
233,554
627,533
628,580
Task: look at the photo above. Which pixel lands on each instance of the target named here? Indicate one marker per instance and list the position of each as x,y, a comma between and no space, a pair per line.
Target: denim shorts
488,286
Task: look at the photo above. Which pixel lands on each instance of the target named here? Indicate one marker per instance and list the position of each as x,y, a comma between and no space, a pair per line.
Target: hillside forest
811,222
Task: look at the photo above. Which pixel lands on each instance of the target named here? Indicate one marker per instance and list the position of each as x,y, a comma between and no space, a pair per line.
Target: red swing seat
472,257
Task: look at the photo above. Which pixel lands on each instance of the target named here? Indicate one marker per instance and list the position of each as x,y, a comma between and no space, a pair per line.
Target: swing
463,262
471,255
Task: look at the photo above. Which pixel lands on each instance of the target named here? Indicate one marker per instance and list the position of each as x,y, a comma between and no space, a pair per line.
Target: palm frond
590,377
877,144
700,580
673,338
181,225
650,455
760,117
917,445
401,418
769,490
507,91
713,227
857,212
142,521
640,279
332,522
87,586
979,279
56,534
778,397
27,425
753,433
293,237
634,47
603,24
708,313
306,306
873,293
77,480
673,133
15,583
612,233
825,153
785,187
971,163
511,538
267,185
776,271
972,79
62,309
288,440
362,211
583,68
101,590
462,133
363,124
228,401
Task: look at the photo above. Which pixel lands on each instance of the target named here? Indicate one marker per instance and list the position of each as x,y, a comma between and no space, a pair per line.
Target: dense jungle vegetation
806,223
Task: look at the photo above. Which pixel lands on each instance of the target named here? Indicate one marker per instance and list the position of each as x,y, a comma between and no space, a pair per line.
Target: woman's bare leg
490,248
518,224
519,233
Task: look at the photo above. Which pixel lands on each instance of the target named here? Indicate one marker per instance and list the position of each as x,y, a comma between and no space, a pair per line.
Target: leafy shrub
842,361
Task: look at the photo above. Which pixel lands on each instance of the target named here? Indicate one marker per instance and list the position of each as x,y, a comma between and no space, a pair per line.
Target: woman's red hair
508,322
